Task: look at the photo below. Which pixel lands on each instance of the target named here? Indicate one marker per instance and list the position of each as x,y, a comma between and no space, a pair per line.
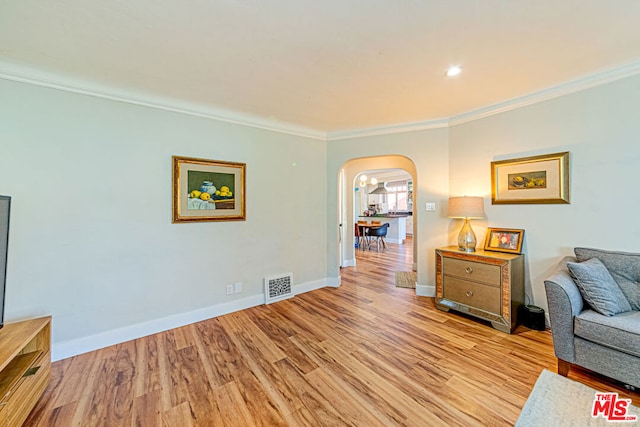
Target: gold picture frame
536,179
504,240
208,190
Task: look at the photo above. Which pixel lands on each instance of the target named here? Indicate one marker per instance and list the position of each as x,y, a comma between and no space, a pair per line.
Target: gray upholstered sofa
590,327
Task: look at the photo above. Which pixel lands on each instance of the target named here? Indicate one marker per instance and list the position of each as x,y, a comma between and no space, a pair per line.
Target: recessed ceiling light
453,71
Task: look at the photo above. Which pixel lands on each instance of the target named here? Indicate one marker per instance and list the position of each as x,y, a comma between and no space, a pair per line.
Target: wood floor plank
366,353
362,394
293,316
316,409
278,390
149,374
196,389
233,409
327,326
261,408
59,416
507,407
97,388
250,336
179,415
302,418
222,359
332,388
167,363
147,409
280,334
75,373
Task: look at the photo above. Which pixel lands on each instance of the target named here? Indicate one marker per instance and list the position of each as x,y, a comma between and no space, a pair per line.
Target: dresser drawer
477,295
470,270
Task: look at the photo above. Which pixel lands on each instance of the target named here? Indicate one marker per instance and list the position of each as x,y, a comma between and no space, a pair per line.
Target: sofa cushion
598,288
620,332
624,268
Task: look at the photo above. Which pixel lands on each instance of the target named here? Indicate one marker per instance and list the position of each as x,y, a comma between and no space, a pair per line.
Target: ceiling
326,66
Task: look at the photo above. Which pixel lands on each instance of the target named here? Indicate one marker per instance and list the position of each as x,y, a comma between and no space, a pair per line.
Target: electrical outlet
237,287
431,206
229,289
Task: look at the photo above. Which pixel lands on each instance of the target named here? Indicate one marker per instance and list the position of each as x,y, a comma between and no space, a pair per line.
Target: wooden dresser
25,367
487,285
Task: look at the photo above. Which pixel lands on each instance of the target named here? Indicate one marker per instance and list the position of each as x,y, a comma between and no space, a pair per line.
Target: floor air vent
277,288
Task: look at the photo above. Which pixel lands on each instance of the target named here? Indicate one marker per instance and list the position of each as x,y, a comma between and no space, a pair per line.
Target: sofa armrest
564,302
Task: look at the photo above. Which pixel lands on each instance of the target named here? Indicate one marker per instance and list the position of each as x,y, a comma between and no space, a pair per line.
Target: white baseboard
349,262
425,291
312,286
63,350
334,282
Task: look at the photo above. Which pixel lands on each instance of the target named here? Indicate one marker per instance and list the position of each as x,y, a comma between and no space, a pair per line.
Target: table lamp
466,208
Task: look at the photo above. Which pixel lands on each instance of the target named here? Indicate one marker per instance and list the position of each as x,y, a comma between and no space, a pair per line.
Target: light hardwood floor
364,354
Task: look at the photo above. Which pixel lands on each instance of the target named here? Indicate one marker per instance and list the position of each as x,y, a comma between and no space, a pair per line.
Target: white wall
92,241
600,128
428,151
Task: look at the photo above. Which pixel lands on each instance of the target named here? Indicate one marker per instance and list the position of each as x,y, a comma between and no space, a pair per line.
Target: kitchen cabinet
409,225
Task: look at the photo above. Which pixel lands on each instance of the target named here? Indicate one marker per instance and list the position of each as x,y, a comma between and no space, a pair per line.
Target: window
397,196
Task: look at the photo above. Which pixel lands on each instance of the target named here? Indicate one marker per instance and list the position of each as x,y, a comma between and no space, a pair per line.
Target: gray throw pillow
598,288
624,267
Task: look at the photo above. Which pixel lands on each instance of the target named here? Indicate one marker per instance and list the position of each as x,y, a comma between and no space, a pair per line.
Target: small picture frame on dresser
507,240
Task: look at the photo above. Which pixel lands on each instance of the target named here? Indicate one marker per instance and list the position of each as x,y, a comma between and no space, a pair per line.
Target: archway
347,181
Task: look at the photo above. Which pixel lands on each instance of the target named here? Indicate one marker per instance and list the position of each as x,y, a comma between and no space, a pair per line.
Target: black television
5,210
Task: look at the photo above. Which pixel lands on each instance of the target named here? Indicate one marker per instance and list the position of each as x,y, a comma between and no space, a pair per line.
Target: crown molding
576,85
38,78
572,86
31,76
386,130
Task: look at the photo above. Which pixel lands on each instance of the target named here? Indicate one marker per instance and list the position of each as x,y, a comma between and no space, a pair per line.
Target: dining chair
361,237
378,233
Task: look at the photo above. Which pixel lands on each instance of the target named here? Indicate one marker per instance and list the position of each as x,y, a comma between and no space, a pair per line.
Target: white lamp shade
466,207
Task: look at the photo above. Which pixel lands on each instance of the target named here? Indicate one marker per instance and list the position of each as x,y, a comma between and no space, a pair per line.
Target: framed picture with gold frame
504,240
208,190
537,179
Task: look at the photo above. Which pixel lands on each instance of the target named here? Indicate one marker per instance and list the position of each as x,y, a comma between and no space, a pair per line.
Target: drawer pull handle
468,270
31,371
469,294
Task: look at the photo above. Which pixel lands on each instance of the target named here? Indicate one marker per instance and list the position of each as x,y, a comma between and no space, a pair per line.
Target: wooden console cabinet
487,285
25,367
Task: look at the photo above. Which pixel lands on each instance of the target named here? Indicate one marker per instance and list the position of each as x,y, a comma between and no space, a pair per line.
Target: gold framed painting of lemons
209,193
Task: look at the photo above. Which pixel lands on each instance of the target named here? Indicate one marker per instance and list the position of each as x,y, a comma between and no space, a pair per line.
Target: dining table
363,233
